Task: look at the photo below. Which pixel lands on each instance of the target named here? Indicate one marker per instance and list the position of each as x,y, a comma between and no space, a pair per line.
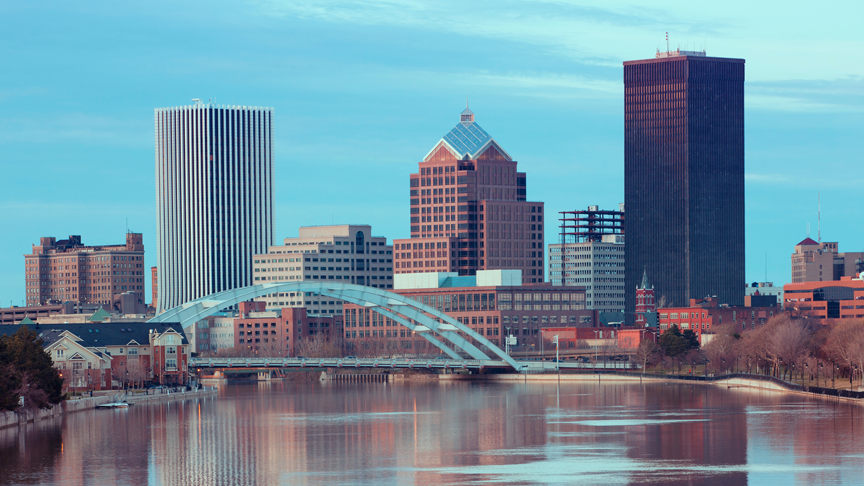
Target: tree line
786,348
27,370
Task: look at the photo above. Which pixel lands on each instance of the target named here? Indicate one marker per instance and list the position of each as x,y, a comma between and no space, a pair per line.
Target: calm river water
453,433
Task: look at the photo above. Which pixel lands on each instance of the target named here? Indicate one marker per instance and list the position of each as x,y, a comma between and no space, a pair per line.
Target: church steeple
645,285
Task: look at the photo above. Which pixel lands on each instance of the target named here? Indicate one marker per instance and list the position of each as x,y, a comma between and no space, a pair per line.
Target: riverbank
9,419
729,381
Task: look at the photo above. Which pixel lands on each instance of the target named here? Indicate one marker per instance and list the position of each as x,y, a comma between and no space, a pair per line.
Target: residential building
491,302
345,253
591,255
684,177
469,210
214,198
820,261
838,299
103,356
703,316
68,271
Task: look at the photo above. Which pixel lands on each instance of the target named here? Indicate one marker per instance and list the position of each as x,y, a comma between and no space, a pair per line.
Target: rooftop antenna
808,230
667,42
819,216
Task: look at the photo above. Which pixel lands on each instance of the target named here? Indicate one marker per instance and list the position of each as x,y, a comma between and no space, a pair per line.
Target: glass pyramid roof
468,138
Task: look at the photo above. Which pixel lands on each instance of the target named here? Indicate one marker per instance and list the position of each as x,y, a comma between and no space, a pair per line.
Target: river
449,433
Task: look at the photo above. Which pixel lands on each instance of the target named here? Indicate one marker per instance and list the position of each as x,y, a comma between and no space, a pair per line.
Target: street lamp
557,363
507,341
817,373
595,347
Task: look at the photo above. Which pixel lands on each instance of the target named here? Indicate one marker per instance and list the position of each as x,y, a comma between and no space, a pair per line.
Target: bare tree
845,344
137,371
318,346
788,341
721,349
647,353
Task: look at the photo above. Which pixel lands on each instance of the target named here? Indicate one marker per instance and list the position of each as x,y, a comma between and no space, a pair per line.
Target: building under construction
590,254
590,225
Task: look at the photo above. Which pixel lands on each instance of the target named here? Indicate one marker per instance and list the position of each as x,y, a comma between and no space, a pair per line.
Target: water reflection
448,433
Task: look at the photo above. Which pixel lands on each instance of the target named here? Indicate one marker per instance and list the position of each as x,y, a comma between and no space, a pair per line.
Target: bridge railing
258,362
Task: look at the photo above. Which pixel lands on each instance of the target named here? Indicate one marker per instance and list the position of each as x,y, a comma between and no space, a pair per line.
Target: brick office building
492,303
820,261
684,177
469,210
277,332
839,299
704,315
66,270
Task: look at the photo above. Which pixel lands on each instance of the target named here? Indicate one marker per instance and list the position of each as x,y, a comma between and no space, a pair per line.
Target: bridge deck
472,364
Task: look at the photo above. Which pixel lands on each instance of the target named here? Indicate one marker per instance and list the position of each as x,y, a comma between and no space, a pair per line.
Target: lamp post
557,363
817,373
507,341
595,347
737,358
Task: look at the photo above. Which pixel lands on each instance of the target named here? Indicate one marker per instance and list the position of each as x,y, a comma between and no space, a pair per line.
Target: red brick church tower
644,300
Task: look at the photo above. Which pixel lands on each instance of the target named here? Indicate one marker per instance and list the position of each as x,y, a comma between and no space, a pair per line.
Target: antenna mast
819,216
667,43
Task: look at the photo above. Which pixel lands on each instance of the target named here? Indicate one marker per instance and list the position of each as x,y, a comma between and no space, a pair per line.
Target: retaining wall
9,419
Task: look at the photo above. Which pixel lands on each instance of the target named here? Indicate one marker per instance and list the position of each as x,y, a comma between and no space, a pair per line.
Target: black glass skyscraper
684,177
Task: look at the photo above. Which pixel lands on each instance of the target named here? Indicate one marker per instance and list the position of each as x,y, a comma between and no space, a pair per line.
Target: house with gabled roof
100,355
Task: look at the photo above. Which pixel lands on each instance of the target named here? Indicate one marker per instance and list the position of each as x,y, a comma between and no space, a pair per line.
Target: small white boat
113,405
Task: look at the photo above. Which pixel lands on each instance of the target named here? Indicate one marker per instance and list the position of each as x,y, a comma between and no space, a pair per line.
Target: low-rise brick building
704,315
492,303
838,299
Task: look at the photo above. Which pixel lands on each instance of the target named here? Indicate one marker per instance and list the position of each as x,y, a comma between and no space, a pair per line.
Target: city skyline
555,105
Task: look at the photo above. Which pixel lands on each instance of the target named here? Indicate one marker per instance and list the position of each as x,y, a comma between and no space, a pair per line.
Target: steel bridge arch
386,303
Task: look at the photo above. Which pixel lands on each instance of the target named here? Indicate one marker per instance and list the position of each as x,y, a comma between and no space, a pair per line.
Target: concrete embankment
9,419
728,382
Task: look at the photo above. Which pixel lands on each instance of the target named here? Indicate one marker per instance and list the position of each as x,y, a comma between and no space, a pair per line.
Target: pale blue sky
363,89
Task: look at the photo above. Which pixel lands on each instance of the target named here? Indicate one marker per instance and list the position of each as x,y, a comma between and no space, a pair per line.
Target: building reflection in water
433,433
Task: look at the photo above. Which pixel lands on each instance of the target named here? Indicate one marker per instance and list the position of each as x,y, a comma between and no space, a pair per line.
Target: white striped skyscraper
214,198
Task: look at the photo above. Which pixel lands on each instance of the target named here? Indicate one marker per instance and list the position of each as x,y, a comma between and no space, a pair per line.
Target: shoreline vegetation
801,352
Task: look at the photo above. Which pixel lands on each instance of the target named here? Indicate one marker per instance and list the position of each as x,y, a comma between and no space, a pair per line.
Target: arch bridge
427,321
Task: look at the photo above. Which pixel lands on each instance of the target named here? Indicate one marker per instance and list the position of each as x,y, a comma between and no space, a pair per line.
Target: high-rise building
684,177
345,253
469,210
68,271
591,255
214,198
814,262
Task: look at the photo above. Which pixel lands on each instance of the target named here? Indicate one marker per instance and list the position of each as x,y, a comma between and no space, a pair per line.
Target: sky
363,89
